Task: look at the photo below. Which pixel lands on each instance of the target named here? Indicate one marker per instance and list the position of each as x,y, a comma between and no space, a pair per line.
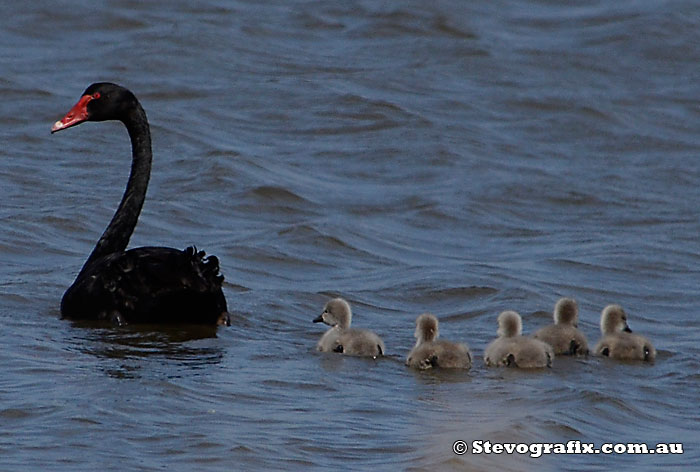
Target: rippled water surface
456,157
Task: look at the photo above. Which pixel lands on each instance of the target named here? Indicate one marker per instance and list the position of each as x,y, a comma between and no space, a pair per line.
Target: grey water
456,157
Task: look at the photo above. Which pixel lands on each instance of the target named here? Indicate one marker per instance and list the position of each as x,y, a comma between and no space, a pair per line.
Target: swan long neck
117,234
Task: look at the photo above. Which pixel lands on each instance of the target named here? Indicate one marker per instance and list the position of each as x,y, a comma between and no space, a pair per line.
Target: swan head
509,324
613,319
337,312
426,328
566,312
99,102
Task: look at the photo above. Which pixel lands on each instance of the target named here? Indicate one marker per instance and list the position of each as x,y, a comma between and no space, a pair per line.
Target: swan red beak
75,116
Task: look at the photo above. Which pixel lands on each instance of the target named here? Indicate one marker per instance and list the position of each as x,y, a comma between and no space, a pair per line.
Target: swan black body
147,284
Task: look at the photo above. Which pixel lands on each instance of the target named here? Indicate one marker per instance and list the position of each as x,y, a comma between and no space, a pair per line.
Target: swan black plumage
146,284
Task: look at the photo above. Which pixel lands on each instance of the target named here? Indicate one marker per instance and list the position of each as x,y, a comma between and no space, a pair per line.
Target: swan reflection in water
129,351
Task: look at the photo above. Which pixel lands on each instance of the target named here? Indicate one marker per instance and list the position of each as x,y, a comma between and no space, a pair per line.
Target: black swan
146,284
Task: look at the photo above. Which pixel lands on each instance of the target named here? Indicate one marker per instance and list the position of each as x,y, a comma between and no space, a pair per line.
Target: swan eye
96,95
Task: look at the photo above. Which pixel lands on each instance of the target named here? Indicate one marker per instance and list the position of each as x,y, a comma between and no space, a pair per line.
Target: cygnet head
337,312
566,312
613,320
509,324
426,328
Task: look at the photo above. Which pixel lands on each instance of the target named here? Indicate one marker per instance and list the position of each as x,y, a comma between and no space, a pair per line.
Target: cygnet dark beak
318,319
627,329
